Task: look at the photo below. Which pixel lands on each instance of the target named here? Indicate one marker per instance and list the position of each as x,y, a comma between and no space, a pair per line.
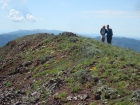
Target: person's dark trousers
109,39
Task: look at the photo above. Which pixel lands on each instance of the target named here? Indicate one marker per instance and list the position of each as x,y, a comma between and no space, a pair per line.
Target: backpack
103,31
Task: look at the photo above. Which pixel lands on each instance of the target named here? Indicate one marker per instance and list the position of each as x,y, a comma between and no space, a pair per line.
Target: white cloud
5,6
19,12
110,14
16,16
30,17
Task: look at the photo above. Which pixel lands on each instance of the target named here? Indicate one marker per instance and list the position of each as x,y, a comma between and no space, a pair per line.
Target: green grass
60,95
9,84
80,62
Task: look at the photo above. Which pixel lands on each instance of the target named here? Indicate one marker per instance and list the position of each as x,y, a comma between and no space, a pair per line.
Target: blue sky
80,16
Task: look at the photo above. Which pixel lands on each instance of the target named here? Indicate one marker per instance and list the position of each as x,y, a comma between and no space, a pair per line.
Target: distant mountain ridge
6,37
124,42
27,32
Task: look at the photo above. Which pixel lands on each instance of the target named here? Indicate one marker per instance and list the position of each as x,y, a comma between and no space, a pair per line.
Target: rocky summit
67,69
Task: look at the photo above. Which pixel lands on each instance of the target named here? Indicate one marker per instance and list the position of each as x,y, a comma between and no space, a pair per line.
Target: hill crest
67,69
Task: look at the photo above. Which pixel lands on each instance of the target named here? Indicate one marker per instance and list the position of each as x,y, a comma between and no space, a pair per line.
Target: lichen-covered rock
53,84
106,92
136,95
81,97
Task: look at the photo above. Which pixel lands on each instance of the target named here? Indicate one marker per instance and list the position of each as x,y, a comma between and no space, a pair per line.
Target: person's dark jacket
109,32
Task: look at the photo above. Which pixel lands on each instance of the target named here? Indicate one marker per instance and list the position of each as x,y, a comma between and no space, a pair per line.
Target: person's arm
105,31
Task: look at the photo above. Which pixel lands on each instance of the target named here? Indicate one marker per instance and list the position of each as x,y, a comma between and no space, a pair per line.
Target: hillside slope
66,69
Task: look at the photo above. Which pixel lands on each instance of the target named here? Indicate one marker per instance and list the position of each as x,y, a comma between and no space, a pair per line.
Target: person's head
107,26
103,26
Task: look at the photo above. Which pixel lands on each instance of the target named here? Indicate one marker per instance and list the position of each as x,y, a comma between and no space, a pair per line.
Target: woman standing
102,32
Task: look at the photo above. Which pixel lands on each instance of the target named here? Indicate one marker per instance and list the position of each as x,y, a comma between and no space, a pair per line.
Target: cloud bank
18,11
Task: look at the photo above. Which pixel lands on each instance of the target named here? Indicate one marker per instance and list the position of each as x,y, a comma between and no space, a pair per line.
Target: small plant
93,103
36,84
126,102
9,84
73,39
32,68
69,80
44,93
122,92
75,88
28,92
80,76
60,95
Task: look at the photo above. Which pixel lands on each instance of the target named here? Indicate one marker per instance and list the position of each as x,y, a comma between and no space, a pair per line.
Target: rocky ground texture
66,69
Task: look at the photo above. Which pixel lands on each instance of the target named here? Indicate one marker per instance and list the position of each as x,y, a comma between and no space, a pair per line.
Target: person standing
103,32
109,34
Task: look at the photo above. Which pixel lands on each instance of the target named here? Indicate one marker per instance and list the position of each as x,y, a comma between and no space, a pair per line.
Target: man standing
109,34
